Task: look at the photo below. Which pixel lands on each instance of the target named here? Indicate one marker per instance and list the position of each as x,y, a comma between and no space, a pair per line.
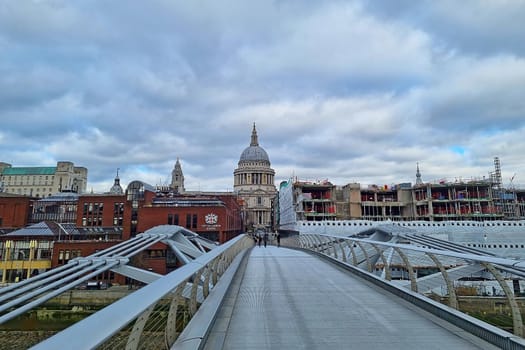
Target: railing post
388,275
333,243
320,244
350,245
368,263
452,297
340,245
136,333
516,314
171,324
194,289
206,283
411,274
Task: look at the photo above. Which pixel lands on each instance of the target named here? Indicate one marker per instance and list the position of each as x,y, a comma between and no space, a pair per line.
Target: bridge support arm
350,246
388,274
136,273
452,297
368,263
411,274
516,314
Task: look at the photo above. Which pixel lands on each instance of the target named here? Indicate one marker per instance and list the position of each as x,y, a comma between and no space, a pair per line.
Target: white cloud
349,91
340,42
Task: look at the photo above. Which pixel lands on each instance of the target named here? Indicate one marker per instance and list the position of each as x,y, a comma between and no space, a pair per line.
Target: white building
43,181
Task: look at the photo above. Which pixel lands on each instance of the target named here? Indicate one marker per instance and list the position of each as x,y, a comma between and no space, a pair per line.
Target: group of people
263,237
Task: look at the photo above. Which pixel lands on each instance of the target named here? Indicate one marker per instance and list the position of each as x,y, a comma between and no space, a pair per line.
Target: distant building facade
15,210
116,188
42,182
476,200
177,178
254,184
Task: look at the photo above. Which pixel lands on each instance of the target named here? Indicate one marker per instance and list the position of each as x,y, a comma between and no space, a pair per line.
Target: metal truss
154,315
23,296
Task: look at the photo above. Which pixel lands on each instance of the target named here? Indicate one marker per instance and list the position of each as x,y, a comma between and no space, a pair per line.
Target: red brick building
216,216
79,225
101,210
15,210
217,219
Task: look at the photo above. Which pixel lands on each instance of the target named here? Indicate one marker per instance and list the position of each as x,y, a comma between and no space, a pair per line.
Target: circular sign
211,219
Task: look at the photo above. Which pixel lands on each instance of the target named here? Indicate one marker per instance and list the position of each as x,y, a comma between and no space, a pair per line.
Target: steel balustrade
156,313
325,244
516,314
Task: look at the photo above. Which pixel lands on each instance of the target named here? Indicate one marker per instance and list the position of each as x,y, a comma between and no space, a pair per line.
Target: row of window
65,255
93,208
29,180
24,254
474,245
97,221
93,214
448,223
154,253
191,220
26,190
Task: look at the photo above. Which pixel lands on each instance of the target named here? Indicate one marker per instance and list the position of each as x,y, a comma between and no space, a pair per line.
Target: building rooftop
29,171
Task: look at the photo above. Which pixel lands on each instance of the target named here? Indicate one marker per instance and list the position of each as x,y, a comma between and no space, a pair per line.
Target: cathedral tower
177,178
254,183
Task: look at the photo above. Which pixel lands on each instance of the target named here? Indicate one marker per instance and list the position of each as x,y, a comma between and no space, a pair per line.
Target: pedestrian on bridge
278,240
265,239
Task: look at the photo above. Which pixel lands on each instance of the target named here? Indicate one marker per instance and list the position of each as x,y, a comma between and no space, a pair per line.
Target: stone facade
254,184
177,178
43,182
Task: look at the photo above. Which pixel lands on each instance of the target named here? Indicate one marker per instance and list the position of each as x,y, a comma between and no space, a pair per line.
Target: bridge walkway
288,299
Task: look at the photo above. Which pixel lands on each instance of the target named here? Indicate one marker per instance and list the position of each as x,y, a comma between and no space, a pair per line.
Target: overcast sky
349,91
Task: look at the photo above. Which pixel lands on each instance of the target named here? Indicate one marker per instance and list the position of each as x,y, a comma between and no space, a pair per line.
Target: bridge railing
152,317
394,266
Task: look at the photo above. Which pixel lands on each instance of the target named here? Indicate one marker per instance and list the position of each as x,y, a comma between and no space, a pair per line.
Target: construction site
476,199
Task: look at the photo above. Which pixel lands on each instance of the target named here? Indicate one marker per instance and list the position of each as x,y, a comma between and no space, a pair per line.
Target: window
173,219
155,253
45,254
118,208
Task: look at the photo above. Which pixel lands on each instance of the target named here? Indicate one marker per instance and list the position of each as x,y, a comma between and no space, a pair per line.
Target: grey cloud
480,94
476,27
349,91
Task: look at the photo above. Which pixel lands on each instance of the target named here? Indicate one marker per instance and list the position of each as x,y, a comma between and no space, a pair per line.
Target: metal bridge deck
289,299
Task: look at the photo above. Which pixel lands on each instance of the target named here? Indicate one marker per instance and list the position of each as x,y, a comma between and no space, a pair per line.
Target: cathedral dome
116,188
254,152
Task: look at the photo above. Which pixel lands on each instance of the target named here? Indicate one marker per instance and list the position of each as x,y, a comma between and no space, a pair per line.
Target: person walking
259,238
278,240
265,239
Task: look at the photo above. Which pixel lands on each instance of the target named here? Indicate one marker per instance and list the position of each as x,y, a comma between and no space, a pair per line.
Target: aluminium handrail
512,263
103,324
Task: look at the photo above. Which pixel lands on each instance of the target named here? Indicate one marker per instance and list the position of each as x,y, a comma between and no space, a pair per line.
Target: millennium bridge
391,288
